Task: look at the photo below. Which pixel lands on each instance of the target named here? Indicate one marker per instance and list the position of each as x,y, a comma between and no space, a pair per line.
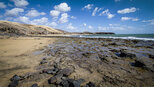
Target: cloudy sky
119,16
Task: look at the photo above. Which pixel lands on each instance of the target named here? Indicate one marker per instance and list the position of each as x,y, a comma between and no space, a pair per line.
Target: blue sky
119,16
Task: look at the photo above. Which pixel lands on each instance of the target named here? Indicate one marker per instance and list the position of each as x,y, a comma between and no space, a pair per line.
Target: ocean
119,36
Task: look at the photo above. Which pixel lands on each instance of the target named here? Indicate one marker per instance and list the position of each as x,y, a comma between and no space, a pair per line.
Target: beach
59,61
17,55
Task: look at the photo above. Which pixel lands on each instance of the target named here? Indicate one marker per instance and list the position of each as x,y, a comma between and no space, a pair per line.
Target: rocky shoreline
83,62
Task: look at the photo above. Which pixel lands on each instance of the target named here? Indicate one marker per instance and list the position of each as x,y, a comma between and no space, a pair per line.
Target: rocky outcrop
74,62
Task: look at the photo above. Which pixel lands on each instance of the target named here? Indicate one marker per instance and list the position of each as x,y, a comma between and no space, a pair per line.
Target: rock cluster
74,62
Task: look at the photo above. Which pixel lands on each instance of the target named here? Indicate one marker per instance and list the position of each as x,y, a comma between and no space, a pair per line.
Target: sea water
119,36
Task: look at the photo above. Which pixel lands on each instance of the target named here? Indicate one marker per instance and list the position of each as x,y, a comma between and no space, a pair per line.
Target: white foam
131,38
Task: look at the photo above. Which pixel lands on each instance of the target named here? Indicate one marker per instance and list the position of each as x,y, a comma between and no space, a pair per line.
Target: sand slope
8,27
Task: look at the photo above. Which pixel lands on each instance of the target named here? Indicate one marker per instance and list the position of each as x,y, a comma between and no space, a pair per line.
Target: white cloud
115,27
41,21
125,18
20,3
149,21
102,28
135,19
2,5
84,24
72,17
52,24
14,12
99,9
64,18
22,19
107,13
63,7
127,10
34,13
94,12
117,0
103,12
90,27
54,13
70,26
88,7
129,18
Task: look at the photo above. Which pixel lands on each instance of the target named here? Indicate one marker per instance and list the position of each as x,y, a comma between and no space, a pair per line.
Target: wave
129,37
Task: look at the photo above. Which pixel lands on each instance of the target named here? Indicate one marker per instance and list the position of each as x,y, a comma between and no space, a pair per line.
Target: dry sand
16,56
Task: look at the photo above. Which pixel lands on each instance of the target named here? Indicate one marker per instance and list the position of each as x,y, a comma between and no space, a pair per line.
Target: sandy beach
17,55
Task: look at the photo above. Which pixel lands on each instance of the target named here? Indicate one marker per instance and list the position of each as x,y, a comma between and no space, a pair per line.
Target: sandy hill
7,27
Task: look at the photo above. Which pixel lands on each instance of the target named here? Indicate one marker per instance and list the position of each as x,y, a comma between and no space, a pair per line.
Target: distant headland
14,28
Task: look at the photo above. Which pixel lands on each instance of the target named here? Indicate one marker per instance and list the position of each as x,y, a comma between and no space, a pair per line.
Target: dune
7,27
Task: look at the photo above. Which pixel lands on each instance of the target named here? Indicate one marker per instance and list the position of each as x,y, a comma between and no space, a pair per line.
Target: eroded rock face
75,62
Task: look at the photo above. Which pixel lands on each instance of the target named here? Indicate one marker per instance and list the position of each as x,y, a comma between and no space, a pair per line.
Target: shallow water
119,36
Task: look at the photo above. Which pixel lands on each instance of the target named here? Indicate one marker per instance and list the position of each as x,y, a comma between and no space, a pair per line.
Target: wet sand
17,57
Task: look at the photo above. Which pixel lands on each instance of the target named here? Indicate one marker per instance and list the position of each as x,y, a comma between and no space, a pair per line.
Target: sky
118,16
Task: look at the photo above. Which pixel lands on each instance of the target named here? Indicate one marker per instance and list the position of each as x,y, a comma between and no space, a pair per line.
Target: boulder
51,71
35,85
55,79
65,71
15,77
65,83
14,83
90,84
72,83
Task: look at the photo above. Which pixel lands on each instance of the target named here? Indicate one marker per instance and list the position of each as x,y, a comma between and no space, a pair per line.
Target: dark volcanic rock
15,77
146,63
55,79
65,83
43,62
147,44
14,83
59,75
151,56
95,62
72,83
138,64
65,71
35,85
90,84
126,54
52,80
51,71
